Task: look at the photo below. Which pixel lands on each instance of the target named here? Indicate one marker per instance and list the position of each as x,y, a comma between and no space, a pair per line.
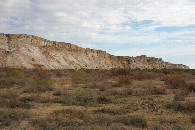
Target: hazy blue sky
158,28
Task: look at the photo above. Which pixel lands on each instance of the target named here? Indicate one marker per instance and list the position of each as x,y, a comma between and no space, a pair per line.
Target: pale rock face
28,51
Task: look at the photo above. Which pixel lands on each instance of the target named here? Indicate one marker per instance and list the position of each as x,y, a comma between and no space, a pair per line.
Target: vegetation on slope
97,99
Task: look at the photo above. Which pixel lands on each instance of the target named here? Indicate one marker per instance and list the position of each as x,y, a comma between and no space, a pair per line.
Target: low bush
191,87
102,99
39,99
102,120
179,97
166,71
102,86
8,116
78,77
177,127
63,81
116,85
43,75
125,80
50,123
138,121
158,91
45,124
30,98
135,120
70,114
68,100
10,82
193,119
62,119
179,106
9,98
60,92
85,98
17,73
117,72
39,86
190,106
2,72
155,127
123,92
174,81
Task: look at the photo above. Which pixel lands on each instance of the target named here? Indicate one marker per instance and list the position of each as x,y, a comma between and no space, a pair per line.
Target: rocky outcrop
28,51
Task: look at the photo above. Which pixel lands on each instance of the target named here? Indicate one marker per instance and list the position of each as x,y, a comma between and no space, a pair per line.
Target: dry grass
97,99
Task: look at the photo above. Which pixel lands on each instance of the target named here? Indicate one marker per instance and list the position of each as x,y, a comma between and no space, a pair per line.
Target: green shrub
8,116
39,86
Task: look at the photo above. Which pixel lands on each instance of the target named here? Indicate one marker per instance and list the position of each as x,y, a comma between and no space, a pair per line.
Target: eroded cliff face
28,51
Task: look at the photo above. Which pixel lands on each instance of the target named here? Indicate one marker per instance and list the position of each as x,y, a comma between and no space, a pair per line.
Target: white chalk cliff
28,51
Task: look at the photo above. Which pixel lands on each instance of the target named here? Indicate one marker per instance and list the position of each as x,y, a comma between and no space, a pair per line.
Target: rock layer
28,51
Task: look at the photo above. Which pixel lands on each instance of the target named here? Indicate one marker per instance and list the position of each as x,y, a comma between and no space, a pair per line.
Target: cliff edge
28,51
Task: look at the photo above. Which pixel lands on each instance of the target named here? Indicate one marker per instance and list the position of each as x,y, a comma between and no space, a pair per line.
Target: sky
156,28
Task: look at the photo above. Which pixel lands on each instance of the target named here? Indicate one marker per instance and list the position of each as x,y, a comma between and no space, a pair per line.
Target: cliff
28,51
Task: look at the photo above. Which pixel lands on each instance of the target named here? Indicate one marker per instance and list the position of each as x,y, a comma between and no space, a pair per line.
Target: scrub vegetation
118,99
